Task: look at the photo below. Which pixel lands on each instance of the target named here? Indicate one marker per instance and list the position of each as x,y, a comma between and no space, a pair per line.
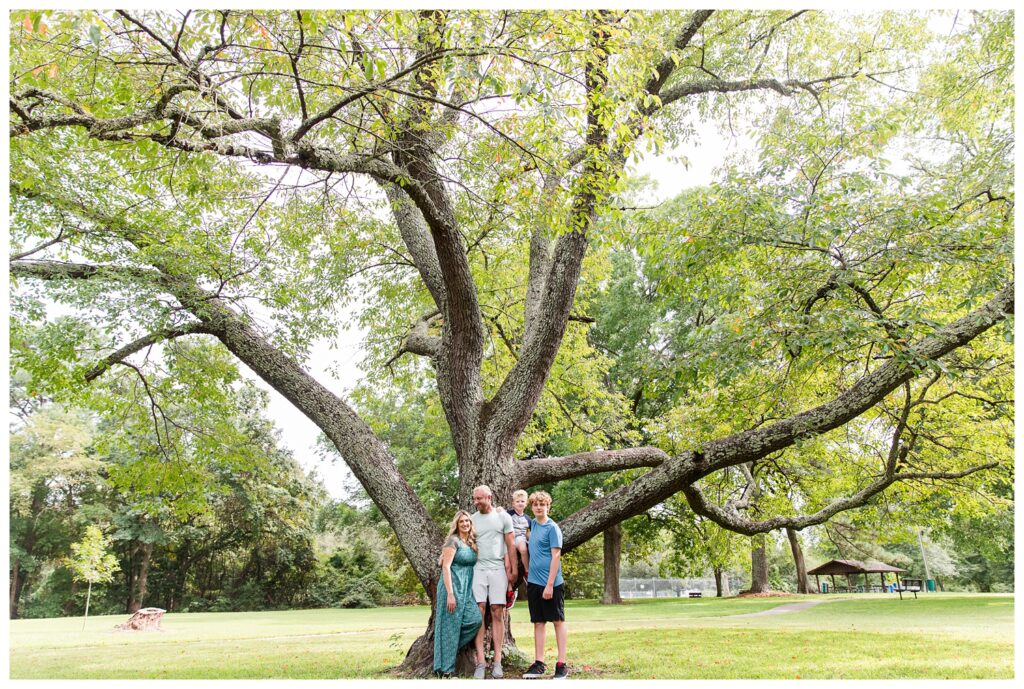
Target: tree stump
144,620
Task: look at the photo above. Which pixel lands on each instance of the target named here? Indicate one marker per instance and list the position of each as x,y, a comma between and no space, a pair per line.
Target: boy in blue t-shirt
544,590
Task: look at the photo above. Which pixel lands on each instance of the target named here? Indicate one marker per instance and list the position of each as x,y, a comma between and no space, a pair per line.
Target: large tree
226,174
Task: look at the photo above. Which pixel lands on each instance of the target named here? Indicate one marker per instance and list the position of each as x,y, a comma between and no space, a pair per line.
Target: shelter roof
853,567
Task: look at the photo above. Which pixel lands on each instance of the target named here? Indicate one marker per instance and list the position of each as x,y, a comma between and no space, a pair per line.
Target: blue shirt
544,537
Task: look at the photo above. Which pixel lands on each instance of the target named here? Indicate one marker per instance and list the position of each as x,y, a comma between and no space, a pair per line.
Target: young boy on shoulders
520,529
544,586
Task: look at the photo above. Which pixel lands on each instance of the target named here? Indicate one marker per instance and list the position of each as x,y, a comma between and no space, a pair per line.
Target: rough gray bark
552,469
417,239
612,562
802,583
540,265
758,565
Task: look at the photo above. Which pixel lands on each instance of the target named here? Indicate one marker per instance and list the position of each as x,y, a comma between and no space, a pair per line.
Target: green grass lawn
852,637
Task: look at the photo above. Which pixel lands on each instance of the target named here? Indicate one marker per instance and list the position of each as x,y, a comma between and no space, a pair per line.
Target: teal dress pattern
453,630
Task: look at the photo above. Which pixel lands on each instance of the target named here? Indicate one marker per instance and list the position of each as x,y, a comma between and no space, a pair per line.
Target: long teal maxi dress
453,630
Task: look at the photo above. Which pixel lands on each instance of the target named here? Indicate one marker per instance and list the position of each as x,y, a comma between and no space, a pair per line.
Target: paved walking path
788,607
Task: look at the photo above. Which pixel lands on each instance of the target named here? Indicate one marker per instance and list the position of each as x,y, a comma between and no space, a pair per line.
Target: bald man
493,570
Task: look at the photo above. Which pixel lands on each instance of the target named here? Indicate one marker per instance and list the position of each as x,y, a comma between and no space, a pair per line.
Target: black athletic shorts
541,610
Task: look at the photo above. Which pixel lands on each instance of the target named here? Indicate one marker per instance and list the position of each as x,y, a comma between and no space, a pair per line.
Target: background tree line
232,523
245,528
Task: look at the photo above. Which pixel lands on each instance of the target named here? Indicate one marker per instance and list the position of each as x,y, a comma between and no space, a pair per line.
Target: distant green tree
90,562
51,469
696,545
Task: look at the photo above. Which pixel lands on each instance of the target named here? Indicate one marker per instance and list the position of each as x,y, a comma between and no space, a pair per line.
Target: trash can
824,587
931,585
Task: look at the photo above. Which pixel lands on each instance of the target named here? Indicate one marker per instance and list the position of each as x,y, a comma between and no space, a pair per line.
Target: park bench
911,585
694,594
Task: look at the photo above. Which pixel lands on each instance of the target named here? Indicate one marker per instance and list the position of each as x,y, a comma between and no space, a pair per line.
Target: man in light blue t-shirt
493,570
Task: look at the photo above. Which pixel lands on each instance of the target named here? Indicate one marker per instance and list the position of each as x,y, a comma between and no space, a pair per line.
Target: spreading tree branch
512,406
740,523
681,471
540,244
552,469
459,359
419,340
61,270
145,341
364,453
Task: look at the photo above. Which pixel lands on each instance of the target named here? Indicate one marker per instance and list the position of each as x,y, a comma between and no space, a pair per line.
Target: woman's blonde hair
454,531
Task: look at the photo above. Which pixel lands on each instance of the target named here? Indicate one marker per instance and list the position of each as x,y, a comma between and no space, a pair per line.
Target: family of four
480,566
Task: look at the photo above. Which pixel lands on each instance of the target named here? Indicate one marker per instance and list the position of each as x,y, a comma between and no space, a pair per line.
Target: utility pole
924,559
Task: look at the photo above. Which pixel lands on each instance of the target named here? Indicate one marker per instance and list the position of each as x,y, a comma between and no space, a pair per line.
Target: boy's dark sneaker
561,671
510,598
535,671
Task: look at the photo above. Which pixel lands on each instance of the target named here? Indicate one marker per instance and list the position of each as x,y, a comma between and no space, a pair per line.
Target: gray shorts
490,585
520,539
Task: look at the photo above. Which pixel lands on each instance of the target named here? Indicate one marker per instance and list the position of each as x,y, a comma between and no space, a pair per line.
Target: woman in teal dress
457,616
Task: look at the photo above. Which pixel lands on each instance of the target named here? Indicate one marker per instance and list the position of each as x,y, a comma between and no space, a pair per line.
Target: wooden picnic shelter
851,568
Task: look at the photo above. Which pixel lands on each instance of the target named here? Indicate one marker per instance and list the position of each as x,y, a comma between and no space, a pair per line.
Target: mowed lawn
871,636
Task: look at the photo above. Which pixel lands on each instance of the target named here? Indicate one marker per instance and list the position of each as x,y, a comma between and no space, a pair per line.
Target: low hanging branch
740,523
552,469
680,472
364,453
145,341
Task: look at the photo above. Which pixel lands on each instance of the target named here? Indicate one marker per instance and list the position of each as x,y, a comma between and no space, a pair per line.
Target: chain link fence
656,587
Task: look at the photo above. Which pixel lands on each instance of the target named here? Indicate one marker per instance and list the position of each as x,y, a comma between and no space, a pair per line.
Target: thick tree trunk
143,577
130,578
419,659
28,547
15,590
612,561
802,583
721,583
69,604
758,565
